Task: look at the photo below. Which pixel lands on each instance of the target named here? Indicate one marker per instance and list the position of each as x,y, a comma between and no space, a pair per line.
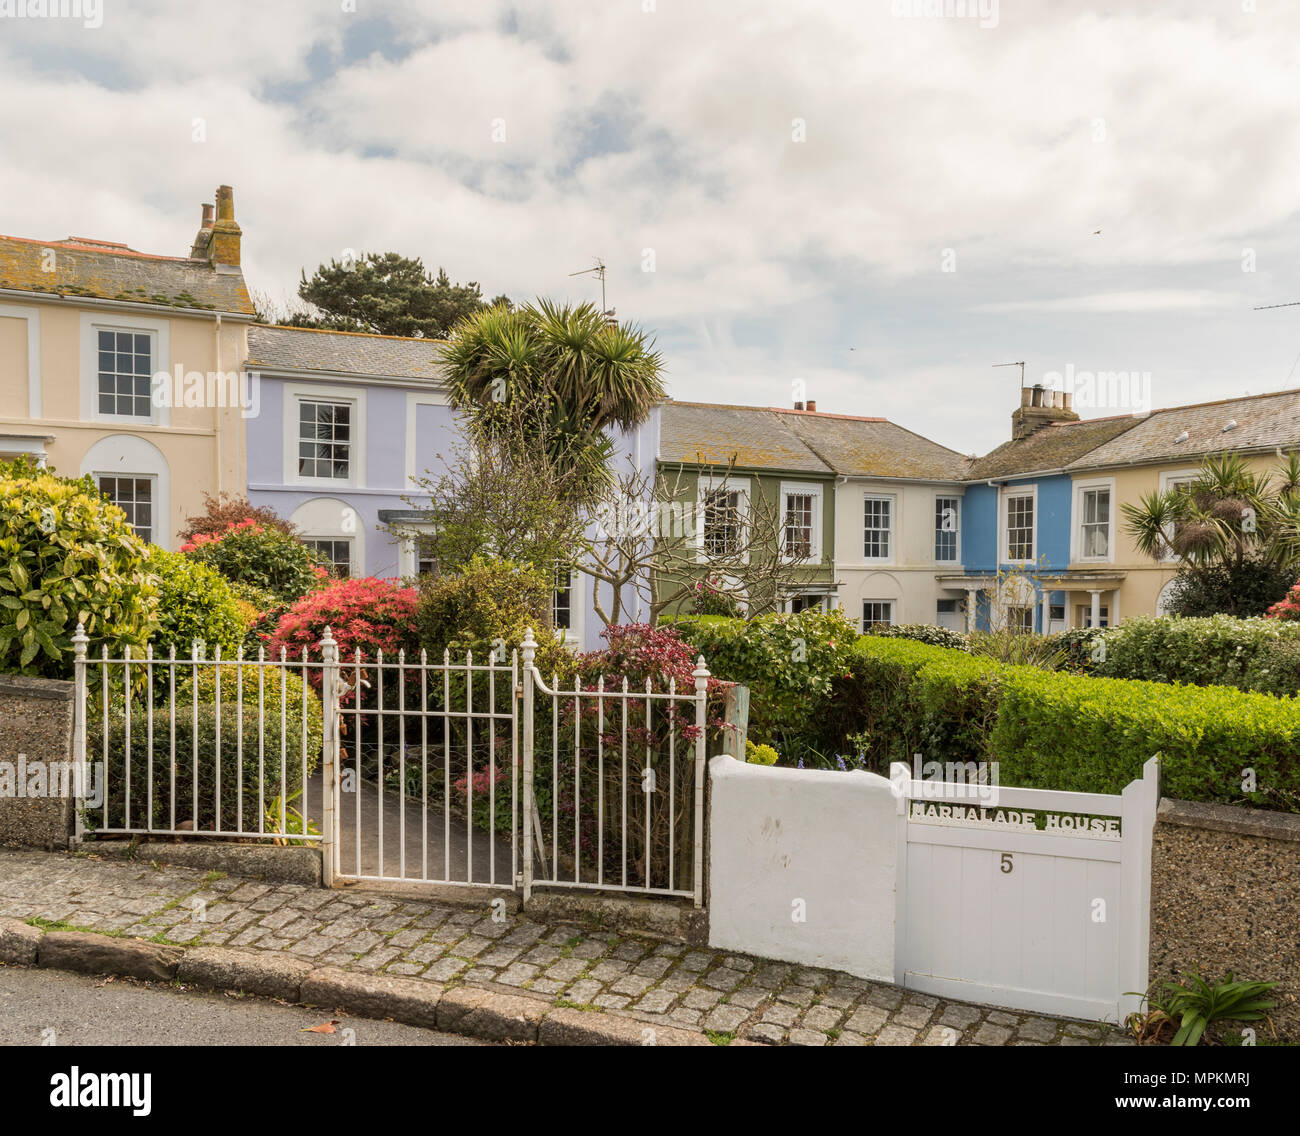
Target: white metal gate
473,773
993,908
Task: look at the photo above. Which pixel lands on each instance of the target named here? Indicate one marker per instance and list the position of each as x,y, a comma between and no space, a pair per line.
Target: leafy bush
710,597
789,662
487,607
898,698
269,558
1051,730
922,633
1246,589
66,554
194,602
1073,732
224,510
239,781
1077,645
261,611
1188,1008
1288,607
362,614
1250,654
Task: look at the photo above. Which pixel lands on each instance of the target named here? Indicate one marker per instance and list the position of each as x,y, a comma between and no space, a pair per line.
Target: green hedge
1250,654
790,662
204,753
1075,732
1052,730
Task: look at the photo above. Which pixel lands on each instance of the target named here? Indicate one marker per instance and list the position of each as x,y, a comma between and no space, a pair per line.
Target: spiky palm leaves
575,375
1227,514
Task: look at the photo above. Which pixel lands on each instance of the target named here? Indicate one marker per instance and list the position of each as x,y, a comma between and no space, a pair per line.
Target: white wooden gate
1034,900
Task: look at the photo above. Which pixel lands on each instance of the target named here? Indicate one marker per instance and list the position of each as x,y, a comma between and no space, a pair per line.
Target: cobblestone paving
654,981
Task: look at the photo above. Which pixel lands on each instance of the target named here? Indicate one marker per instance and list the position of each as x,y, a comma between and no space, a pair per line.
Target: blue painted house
1017,523
347,424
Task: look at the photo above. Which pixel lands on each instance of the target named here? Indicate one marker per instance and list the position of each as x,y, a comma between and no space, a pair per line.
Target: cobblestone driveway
652,981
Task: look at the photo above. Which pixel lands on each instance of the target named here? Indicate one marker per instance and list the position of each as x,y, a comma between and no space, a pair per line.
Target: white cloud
672,130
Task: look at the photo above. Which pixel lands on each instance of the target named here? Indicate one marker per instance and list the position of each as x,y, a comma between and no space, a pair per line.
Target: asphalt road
82,1010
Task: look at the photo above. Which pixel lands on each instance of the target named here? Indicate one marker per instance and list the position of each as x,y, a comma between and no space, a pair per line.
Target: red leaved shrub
363,613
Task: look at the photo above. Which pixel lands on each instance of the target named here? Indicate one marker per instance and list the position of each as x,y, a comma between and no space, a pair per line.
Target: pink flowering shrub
364,613
711,596
1287,608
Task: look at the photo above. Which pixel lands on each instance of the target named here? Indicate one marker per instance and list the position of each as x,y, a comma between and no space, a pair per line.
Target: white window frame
337,538
947,496
572,636
155,490
706,485
1081,491
893,612
1168,479
804,489
296,393
1004,534
892,531
159,332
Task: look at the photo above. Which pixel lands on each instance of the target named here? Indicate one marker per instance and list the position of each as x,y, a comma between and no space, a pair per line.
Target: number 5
1006,862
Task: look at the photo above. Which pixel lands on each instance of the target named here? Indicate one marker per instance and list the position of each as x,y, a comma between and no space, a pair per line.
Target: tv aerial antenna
598,270
1021,364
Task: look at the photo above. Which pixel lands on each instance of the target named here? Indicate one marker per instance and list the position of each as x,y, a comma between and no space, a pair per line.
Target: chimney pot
798,406
812,404
207,217
226,234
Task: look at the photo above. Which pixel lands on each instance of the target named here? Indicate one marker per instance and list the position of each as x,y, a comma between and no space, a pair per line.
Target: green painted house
757,508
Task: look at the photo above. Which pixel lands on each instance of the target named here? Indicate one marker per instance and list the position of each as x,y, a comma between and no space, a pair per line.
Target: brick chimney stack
203,239
226,233
1041,407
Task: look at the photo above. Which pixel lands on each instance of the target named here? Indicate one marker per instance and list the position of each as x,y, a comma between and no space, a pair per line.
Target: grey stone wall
35,726
1225,896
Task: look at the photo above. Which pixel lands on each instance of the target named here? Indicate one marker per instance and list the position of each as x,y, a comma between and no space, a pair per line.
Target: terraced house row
335,430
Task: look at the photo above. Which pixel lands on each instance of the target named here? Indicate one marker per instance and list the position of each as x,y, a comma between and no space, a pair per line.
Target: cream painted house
127,366
1166,449
898,518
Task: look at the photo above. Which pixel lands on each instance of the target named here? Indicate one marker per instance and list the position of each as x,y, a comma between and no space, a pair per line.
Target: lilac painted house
347,424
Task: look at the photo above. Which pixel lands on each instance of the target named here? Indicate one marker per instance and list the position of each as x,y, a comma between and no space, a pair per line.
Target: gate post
528,653
80,771
701,674
329,758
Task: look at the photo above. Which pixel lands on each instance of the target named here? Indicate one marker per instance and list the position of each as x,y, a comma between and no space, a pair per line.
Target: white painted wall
907,577
780,836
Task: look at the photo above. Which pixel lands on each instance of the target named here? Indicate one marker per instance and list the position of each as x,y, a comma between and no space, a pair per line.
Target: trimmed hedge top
1052,730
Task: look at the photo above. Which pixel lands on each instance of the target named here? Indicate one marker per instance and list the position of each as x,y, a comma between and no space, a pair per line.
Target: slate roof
1263,421
106,271
305,350
1052,447
798,441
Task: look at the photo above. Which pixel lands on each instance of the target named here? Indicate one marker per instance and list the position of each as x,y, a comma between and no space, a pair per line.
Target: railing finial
79,641
528,648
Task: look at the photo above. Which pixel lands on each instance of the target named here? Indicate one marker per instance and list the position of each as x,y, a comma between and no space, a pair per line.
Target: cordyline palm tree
580,373
1227,515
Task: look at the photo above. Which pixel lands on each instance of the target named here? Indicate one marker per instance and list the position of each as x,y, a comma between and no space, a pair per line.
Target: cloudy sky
848,192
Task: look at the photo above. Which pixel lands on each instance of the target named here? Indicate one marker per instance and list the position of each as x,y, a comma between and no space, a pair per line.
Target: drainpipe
996,486
216,417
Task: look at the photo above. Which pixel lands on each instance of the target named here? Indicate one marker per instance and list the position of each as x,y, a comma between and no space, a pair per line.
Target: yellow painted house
1165,449
127,366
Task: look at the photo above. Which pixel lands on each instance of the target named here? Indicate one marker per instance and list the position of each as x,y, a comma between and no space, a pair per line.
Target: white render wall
782,844
908,576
